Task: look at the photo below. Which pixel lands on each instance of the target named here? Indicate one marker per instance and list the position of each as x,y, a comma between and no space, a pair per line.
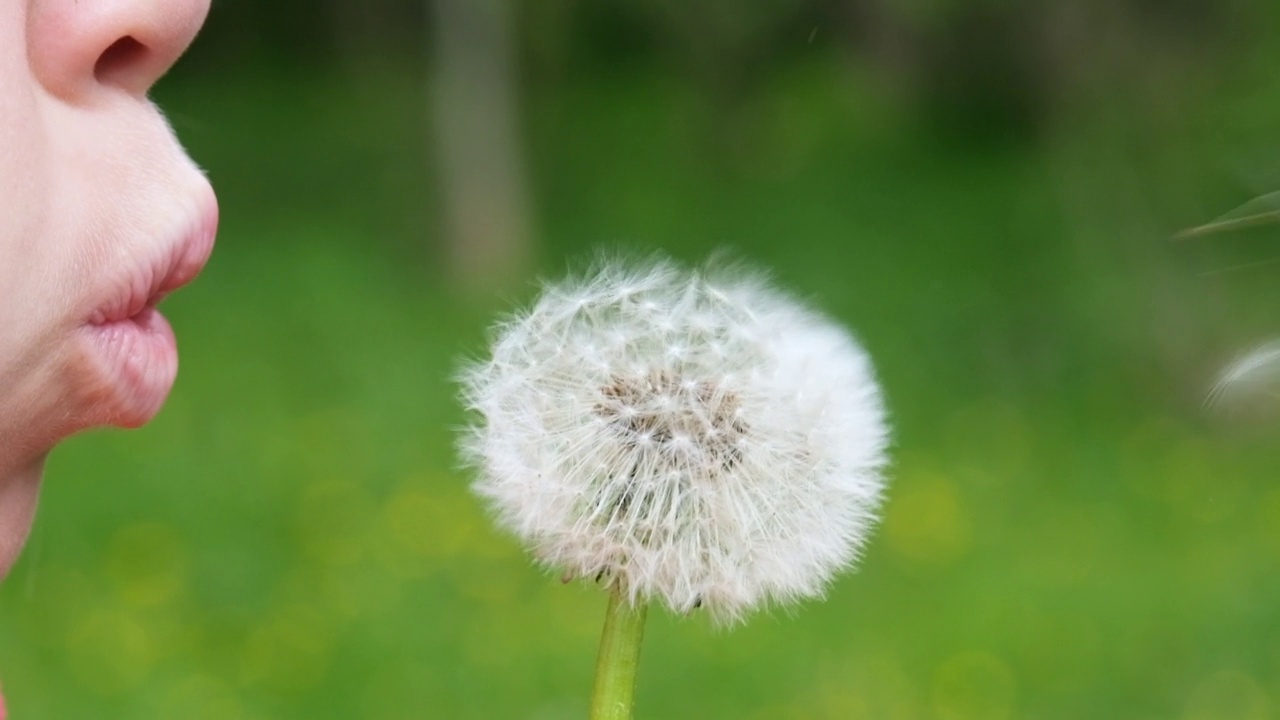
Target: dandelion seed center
689,424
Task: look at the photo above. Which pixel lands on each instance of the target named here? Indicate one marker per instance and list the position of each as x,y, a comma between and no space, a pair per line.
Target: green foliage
1069,534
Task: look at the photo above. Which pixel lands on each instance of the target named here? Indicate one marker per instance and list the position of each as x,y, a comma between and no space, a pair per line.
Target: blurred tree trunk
478,143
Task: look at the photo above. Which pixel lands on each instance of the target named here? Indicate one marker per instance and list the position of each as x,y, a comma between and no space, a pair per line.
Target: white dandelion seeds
1254,372
697,437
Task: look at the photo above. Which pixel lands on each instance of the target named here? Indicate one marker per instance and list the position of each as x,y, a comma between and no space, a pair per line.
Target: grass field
1069,534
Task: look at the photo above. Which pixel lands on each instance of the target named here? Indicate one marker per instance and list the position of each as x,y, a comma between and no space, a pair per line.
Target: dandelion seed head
695,436
1256,372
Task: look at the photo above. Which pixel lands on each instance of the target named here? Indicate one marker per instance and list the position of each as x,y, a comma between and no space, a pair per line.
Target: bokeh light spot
1228,695
289,651
871,687
423,528
147,563
110,651
927,523
973,685
200,697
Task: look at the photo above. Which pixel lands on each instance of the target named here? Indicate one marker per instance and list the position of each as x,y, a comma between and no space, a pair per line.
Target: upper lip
175,266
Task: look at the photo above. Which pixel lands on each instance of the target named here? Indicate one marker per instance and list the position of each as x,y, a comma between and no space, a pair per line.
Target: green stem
619,656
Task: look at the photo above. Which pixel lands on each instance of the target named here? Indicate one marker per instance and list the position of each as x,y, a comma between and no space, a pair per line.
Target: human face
101,214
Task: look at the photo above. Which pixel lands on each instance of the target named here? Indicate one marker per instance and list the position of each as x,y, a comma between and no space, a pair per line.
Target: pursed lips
131,355
168,271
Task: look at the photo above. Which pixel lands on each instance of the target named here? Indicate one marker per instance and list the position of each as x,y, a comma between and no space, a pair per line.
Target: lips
178,265
132,349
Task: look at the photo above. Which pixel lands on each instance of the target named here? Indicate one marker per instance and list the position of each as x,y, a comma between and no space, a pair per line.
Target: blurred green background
985,191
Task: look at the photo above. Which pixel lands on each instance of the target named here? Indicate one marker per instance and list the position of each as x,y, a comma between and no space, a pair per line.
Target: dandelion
1256,371
693,437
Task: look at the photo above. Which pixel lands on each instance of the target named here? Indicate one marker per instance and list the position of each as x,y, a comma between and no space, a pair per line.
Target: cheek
25,209
110,205
22,140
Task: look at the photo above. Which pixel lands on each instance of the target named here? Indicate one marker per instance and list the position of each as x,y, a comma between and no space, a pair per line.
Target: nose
79,48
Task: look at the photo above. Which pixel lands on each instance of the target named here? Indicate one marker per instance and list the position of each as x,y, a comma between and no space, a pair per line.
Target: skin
101,213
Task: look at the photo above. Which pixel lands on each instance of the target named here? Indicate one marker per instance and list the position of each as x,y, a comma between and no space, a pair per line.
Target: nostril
119,61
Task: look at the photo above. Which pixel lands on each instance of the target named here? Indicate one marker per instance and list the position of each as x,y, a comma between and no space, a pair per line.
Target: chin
19,490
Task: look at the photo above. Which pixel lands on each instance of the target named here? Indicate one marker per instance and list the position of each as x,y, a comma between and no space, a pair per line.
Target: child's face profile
101,214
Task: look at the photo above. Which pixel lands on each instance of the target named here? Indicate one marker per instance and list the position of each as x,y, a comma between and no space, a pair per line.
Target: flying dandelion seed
691,436
1254,373
1262,210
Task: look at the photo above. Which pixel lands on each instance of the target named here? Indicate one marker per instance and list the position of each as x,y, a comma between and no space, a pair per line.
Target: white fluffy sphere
695,436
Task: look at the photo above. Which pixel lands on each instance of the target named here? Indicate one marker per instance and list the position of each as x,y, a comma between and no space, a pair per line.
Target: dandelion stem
619,657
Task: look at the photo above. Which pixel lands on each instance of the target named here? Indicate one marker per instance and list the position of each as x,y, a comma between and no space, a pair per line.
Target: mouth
132,344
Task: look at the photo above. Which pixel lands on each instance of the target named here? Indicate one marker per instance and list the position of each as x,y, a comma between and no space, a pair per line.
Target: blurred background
988,192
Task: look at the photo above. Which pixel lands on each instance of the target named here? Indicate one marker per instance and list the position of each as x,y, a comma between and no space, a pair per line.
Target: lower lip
138,360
